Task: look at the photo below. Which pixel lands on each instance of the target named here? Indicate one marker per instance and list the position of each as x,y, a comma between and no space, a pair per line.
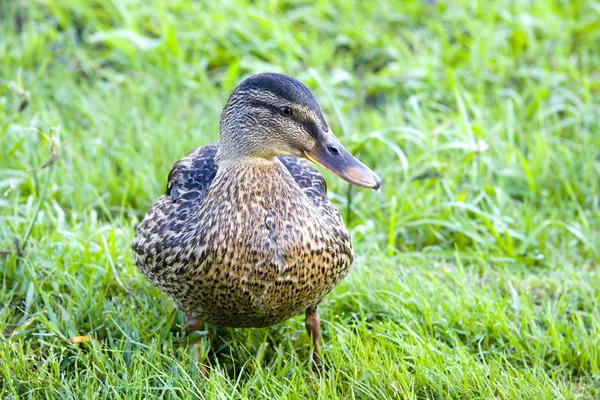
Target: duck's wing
163,229
191,176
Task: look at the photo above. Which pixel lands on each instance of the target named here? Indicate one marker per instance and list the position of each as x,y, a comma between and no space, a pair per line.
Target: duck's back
243,249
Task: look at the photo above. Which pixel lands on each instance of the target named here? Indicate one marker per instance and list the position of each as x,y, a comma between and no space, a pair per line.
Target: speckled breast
257,256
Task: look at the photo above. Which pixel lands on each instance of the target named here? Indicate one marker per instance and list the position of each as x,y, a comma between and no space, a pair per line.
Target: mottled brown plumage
245,235
244,245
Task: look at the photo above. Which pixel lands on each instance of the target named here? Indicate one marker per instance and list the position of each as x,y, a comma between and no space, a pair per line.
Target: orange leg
313,328
192,324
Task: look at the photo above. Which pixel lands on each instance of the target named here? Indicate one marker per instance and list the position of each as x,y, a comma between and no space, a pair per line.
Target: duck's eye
285,111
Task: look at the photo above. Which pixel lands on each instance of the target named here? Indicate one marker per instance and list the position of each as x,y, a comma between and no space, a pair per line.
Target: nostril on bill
332,149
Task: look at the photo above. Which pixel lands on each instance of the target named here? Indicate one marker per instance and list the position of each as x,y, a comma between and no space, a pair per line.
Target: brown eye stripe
262,104
311,127
307,124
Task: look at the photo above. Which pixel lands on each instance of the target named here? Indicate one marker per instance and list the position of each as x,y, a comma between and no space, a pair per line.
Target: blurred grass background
476,266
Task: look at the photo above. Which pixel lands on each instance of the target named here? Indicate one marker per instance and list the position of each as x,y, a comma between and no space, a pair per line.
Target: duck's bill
331,155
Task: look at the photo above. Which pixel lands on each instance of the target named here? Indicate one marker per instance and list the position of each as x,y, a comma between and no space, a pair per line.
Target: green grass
476,272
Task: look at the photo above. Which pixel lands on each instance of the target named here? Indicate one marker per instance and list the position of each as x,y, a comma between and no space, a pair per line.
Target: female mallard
245,235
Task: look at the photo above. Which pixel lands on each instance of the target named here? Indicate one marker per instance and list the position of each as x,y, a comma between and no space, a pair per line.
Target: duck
244,235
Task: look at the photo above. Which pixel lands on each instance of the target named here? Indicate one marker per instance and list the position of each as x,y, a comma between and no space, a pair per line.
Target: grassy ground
476,273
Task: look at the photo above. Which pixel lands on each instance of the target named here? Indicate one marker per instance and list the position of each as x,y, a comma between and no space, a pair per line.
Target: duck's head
271,115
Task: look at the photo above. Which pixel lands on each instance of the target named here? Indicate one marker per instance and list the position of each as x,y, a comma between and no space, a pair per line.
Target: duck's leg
313,328
192,324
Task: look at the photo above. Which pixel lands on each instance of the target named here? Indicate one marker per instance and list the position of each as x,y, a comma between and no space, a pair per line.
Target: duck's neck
250,177
240,142
228,161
